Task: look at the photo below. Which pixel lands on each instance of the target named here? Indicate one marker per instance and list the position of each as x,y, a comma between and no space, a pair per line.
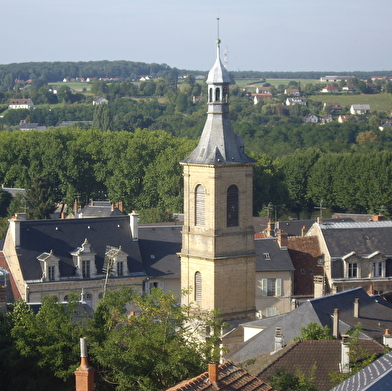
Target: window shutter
198,286
200,205
278,287
232,206
264,287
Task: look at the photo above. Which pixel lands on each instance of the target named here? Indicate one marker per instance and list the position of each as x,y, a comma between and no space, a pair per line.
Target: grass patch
379,102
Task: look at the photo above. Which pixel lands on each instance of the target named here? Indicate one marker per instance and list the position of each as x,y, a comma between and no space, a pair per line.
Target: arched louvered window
225,95
217,95
210,95
198,286
232,206
200,205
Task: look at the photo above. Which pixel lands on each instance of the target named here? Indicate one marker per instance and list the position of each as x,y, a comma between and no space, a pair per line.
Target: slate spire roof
218,143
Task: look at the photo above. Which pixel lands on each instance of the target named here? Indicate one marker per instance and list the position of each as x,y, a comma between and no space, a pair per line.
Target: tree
39,199
284,380
152,349
359,357
46,343
313,331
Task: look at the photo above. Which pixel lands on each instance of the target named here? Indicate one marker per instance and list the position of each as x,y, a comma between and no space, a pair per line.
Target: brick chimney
270,228
379,217
356,308
371,290
335,327
84,375
303,230
319,220
134,217
387,339
282,239
120,206
213,373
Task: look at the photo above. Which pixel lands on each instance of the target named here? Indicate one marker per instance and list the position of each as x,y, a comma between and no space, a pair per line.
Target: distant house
344,118
335,78
296,101
21,104
311,118
325,119
263,90
259,97
330,89
360,109
349,87
387,125
334,106
100,100
292,91
23,125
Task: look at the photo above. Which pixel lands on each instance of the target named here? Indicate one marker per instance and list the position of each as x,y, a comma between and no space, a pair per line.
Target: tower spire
218,143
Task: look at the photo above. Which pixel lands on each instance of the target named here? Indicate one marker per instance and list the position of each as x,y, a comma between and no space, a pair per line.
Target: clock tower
218,255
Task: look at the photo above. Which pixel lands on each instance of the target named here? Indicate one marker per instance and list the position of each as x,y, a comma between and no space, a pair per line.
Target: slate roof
325,356
377,376
100,209
65,235
294,227
218,143
304,253
159,247
279,258
363,238
230,378
374,317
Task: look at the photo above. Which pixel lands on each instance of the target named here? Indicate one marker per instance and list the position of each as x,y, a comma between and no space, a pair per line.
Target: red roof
229,378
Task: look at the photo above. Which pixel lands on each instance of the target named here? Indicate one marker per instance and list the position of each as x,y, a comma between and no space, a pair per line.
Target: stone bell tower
218,255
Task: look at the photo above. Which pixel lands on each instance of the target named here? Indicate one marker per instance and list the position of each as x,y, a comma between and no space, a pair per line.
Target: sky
259,35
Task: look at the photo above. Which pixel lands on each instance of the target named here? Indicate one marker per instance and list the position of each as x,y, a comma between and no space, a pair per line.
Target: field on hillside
377,102
253,83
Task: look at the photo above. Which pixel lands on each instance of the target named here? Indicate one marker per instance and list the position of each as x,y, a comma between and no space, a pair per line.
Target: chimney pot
335,331
356,308
213,373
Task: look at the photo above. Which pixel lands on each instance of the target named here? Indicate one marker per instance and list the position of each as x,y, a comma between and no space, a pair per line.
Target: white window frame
271,287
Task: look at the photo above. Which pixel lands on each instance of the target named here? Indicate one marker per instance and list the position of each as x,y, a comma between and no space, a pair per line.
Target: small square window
310,271
152,256
303,271
267,256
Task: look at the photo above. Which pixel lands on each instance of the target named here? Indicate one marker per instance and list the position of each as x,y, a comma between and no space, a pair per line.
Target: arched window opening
210,99
225,95
198,286
232,206
217,95
200,205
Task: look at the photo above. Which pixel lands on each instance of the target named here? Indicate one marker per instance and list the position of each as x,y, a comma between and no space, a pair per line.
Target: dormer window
84,261
116,261
50,266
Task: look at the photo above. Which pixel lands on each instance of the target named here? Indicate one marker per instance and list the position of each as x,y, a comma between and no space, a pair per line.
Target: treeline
48,72
152,350
142,169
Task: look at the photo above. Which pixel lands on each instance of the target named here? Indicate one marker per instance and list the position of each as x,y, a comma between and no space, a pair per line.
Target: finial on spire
218,41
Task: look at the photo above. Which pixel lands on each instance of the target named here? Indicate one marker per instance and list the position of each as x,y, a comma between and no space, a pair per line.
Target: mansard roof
63,236
278,260
159,247
363,238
